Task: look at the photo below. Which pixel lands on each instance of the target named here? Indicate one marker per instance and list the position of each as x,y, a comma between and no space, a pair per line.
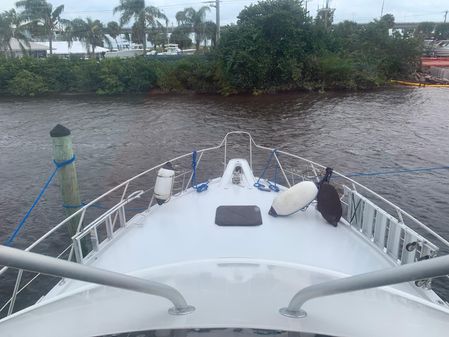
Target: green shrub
26,83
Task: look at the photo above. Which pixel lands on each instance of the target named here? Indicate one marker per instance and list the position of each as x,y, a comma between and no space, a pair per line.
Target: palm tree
210,32
91,32
157,36
43,18
12,27
142,15
114,30
195,20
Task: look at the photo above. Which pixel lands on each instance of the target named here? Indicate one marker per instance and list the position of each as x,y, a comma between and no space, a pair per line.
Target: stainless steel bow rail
409,272
21,260
102,229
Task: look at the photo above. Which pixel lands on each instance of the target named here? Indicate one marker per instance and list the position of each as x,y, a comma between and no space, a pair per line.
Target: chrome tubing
435,267
22,260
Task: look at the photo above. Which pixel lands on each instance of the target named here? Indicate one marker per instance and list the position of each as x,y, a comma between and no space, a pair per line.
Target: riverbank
274,47
192,74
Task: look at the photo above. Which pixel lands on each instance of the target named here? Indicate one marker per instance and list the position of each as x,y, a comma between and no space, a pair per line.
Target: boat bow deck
184,229
236,276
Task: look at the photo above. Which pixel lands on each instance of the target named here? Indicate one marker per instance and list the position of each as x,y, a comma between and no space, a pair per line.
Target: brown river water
116,138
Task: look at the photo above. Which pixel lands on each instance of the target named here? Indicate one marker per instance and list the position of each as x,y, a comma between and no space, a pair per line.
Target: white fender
295,198
164,183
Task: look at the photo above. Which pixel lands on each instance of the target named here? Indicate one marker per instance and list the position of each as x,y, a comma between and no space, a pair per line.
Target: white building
76,48
20,48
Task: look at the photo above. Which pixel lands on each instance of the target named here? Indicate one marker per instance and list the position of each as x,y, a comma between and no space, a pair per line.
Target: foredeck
237,276
183,230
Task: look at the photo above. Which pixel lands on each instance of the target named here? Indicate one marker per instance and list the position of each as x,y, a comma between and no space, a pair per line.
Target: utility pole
216,5
217,19
326,14
445,16
306,1
382,9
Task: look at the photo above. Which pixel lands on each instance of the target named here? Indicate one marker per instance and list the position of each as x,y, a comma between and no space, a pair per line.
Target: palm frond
57,13
202,12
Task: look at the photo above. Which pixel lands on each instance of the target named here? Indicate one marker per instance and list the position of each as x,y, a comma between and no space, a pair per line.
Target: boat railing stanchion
14,294
250,152
125,189
225,151
281,168
315,173
399,213
425,269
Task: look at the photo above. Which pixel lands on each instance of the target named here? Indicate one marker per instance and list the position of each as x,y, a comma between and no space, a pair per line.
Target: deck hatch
238,216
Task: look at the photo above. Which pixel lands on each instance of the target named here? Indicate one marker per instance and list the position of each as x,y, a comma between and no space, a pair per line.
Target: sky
356,10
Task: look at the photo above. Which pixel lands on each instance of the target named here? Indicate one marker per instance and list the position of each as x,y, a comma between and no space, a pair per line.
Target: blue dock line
271,186
201,187
373,174
58,166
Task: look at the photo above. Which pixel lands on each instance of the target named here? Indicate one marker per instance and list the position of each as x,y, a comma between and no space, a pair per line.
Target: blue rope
392,172
61,164
423,169
271,186
201,187
274,186
58,166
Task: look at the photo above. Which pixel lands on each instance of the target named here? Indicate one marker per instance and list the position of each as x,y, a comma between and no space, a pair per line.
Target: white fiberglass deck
234,276
184,230
233,293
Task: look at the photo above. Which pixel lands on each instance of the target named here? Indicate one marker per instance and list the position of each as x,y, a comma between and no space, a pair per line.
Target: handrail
435,267
12,299
21,260
110,211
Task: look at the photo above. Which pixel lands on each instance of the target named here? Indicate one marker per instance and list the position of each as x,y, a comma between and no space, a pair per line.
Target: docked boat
441,48
124,53
171,49
237,239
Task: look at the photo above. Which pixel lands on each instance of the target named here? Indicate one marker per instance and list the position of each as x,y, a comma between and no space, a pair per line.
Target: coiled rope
58,166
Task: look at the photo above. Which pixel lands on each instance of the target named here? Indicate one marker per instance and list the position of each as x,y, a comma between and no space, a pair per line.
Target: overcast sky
357,10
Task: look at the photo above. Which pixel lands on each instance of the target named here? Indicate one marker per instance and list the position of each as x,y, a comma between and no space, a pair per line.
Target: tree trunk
144,39
50,40
11,54
197,42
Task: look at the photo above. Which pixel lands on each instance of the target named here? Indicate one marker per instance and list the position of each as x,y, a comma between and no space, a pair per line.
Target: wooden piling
62,151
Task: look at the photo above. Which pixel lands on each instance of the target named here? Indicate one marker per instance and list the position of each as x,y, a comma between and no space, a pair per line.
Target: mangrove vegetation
276,45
